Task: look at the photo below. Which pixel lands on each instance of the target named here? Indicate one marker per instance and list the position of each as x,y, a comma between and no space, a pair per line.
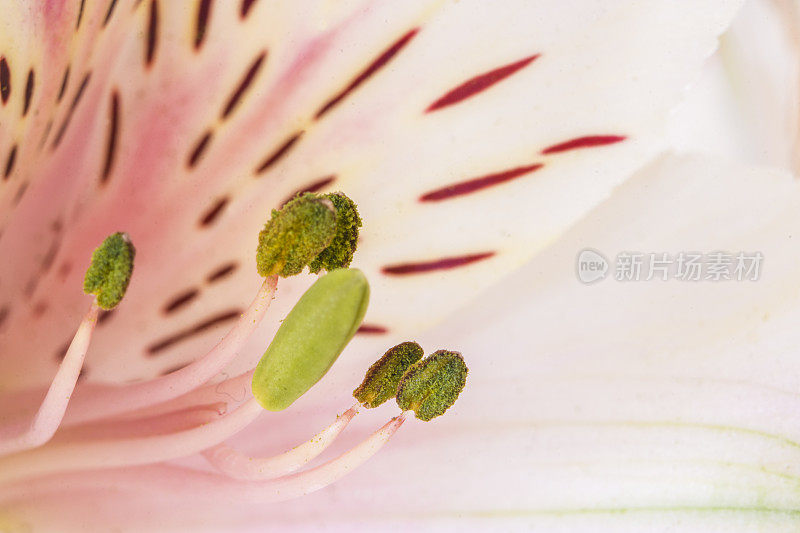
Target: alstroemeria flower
471,134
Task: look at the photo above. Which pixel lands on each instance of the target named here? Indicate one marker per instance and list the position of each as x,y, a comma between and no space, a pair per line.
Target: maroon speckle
375,66
80,15
4,312
203,13
39,309
222,272
583,142
372,329
476,184
111,140
152,34
199,328
213,212
75,101
64,82
5,80
199,148
180,300
29,85
278,154
104,316
10,160
247,80
312,187
445,263
246,6
479,83
109,12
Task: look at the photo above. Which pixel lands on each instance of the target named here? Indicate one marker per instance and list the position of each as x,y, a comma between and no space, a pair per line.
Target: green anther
432,385
310,338
110,271
295,235
380,383
340,252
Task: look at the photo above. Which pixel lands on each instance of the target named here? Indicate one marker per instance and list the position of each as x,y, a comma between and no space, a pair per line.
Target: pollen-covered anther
295,235
318,231
382,378
431,386
339,254
110,271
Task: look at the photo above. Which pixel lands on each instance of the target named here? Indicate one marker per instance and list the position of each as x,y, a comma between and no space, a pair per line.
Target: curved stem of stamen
231,391
102,403
162,424
127,452
51,411
239,466
180,482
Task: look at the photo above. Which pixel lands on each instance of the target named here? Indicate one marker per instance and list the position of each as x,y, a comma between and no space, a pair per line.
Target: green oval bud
110,271
432,385
310,338
380,383
295,235
339,253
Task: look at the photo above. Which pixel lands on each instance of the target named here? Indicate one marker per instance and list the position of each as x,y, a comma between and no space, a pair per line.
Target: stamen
108,401
295,235
110,271
206,486
127,452
382,378
431,386
107,277
240,466
339,253
52,409
160,424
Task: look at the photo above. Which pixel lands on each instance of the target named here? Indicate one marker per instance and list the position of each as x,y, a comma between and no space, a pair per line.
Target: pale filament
96,403
51,412
170,481
239,466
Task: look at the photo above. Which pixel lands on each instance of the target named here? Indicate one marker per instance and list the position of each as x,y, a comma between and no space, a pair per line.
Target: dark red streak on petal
246,6
222,272
64,81
80,15
445,263
480,83
213,213
203,13
152,34
199,328
113,132
179,301
583,142
376,65
5,80
477,184
371,329
29,84
12,157
241,89
312,187
199,148
110,12
278,154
